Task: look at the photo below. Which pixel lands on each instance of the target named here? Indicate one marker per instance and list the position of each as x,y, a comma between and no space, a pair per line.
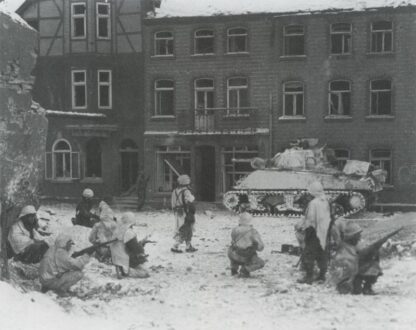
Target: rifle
91,249
368,252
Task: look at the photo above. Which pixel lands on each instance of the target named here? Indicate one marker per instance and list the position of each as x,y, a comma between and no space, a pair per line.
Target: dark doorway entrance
129,164
205,173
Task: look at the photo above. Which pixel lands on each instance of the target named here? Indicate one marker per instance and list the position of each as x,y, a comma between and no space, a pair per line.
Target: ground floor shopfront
214,162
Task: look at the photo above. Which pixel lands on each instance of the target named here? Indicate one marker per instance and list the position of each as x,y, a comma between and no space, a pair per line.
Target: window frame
381,91
383,32
341,159
372,159
74,84
343,34
103,84
166,45
239,110
229,36
286,35
285,115
196,38
77,16
205,90
157,90
342,92
106,16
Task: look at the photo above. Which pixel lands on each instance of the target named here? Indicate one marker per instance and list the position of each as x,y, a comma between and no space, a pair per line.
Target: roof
5,9
186,8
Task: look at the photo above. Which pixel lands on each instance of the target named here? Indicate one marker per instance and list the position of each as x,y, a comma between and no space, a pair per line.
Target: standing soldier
315,226
184,213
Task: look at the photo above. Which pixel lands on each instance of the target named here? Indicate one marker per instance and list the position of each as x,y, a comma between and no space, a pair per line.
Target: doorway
205,173
129,164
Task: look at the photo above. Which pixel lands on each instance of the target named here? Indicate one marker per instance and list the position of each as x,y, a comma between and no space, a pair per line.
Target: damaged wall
23,125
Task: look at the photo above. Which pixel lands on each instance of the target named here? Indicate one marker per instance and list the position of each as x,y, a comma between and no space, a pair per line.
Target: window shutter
48,166
75,165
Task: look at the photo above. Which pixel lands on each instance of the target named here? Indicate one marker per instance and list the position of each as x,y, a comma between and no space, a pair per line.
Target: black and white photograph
207,164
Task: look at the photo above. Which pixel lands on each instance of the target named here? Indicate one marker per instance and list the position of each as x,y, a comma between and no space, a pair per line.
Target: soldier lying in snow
245,242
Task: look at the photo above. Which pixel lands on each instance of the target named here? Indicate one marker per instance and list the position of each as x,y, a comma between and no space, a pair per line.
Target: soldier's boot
244,273
308,278
368,287
234,271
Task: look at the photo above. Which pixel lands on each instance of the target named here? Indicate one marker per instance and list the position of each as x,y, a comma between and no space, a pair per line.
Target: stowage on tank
278,186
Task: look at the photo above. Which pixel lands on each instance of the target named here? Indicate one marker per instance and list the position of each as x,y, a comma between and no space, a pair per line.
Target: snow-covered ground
196,291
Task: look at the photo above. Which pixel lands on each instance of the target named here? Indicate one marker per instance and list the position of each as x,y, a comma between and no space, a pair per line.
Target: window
237,40
381,158
237,96
79,18
171,162
293,99
340,98
204,93
93,159
103,20
164,101
382,37
79,89
341,38
294,40
204,42
341,157
381,96
163,43
236,164
62,163
105,89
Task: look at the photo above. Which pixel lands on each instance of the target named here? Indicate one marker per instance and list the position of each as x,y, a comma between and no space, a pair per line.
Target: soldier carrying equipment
91,249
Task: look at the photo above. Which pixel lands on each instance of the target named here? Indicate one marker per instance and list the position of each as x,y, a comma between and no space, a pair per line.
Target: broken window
164,98
79,18
204,42
381,96
341,38
293,99
163,43
340,98
294,40
93,159
79,89
104,89
103,20
236,164
341,157
382,159
382,37
172,161
237,96
237,40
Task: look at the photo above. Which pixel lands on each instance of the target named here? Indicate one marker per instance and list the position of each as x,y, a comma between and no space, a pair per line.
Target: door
205,173
129,164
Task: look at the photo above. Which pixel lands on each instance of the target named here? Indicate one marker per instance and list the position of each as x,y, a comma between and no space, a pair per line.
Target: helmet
316,189
351,229
128,219
28,209
88,193
184,180
245,219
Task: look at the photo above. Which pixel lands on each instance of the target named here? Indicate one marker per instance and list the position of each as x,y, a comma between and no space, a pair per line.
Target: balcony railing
218,119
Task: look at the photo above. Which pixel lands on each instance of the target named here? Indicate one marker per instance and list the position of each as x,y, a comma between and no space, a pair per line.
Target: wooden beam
54,38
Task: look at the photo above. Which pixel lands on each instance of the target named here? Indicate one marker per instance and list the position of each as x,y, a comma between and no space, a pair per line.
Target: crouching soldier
103,232
245,242
127,253
355,268
58,271
26,243
83,214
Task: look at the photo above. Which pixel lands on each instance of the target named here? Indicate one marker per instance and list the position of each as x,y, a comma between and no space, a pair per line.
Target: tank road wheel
357,201
337,210
231,200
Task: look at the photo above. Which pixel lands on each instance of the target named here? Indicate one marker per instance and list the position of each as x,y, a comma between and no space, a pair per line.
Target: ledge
292,118
337,118
161,118
208,55
237,54
161,57
292,57
380,117
236,116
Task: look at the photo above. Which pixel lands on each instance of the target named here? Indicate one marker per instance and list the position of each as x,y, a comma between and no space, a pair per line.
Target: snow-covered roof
187,8
5,9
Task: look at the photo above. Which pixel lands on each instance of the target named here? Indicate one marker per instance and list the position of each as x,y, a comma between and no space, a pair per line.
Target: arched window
93,161
204,42
62,163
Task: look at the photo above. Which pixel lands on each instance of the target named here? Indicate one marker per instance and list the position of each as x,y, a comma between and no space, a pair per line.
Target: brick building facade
222,89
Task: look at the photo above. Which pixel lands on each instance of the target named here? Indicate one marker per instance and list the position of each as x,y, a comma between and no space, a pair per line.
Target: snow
185,8
75,114
7,8
195,291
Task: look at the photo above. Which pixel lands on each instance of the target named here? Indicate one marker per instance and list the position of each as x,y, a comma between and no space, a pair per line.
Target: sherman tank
278,187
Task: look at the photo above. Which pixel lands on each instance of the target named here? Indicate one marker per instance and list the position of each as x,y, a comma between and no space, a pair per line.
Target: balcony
218,121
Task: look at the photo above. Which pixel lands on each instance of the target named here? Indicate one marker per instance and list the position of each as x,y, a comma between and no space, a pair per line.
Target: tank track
292,203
